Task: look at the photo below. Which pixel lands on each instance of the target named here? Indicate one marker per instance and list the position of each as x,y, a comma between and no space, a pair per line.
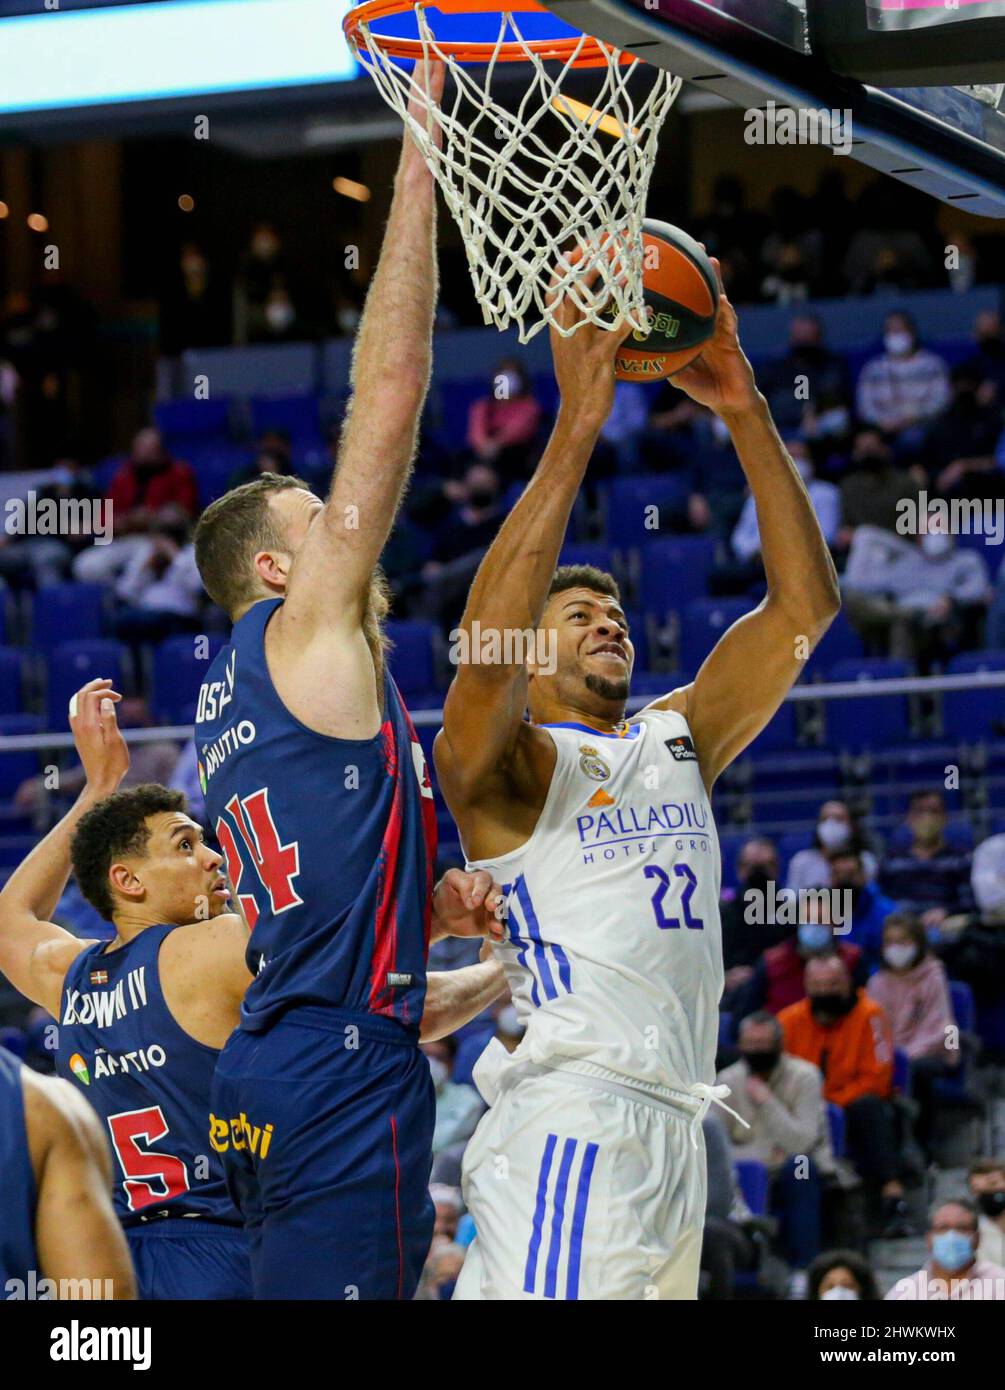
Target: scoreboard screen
896,16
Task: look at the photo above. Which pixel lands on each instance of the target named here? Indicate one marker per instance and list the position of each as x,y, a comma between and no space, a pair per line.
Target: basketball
681,296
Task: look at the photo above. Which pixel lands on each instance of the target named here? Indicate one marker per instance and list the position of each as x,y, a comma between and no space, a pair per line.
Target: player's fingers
479,884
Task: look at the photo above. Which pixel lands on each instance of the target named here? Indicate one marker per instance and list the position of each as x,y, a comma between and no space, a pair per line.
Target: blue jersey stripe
579,1220
524,944
534,931
557,1218
530,1273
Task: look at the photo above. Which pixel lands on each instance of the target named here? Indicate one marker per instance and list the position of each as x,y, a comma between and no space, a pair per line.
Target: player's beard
607,689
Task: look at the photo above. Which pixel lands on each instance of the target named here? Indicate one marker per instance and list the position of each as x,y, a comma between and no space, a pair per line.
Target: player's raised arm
483,714
77,1233
34,952
749,671
390,377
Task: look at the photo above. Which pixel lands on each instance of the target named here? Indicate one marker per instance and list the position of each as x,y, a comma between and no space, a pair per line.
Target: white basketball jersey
613,950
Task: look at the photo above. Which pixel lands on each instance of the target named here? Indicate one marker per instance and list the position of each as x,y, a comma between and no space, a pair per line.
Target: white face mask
898,344
438,1071
900,955
833,833
935,544
838,1293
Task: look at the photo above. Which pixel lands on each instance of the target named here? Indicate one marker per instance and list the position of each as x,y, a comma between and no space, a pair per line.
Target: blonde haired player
586,1179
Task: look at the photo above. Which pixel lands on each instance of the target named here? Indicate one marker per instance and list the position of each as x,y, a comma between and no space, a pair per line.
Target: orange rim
592,53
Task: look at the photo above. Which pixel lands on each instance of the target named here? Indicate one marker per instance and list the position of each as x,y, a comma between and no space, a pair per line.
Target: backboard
877,60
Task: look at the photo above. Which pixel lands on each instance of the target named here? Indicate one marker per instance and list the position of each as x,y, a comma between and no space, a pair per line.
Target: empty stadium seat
18,765
839,643
72,665
594,553
780,732
297,416
11,680
630,502
66,613
753,1179
412,659
702,624
179,669
674,570
868,721
974,715
183,420
836,1124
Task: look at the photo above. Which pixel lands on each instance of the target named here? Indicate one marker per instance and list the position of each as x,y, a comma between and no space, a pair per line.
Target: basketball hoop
531,176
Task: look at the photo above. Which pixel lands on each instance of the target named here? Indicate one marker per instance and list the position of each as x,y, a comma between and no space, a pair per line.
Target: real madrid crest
592,763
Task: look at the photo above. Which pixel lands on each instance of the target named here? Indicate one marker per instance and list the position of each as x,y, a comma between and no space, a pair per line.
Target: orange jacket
855,1054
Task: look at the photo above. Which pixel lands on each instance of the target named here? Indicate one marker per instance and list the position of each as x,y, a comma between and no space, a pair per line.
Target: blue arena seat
868,721
974,715
839,643
780,732
297,415
411,659
630,502
595,553
753,1179
71,665
11,680
183,420
66,613
955,1085
674,570
703,622
836,1123
179,669
20,764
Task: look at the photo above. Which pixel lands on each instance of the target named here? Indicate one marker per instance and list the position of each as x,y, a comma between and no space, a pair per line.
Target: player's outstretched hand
100,745
467,905
584,359
428,78
721,377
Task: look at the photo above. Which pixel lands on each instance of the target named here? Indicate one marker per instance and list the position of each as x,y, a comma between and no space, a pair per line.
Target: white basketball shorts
581,1191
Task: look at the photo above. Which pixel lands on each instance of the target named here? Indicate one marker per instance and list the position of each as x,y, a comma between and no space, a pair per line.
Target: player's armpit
35,956
455,997
76,1230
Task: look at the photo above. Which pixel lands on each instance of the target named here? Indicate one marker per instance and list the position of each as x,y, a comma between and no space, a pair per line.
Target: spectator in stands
836,829
912,988
268,459
458,1107
919,598
960,448
869,907
779,977
150,490
35,561
988,362
839,1275
905,387
675,426
446,1256
790,253
847,1036
987,880
743,944
953,1268
987,1188
503,426
781,1099
824,497
195,308
264,271
734,233
622,432
930,876
809,380
873,490
726,1245
460,544
160,592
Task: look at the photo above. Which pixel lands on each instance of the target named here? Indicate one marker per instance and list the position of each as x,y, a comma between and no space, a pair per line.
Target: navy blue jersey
147,1079
330,842
17,1180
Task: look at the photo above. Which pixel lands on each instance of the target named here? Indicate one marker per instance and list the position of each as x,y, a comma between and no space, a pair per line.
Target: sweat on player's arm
743,681
483,713
391,366
34,952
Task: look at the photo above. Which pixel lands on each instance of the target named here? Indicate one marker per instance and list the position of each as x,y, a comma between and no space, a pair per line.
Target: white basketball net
527,185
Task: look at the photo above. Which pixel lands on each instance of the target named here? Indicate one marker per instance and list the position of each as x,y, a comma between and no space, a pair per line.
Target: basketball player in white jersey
586,1178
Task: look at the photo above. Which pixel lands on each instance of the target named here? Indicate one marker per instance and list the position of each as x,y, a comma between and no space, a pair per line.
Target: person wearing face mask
836,829
903,388
929,876
503,425
841,1276
825,373
781,1099
873,489
915,598
779,977
987,1188
912,988
869,907
954,1269
743,945
988,361
460,544
846,1035
960,448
